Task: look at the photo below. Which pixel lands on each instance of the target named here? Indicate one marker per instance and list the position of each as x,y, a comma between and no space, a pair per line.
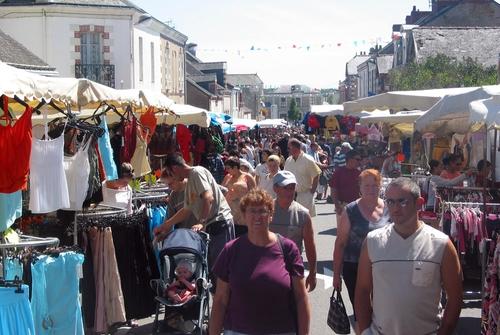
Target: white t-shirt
406,275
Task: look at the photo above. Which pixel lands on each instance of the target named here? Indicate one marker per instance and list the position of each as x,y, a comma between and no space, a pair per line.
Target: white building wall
149,80
52,36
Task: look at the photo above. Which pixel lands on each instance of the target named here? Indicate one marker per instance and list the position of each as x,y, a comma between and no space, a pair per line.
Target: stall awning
451,113
485,111
403,100
392,119
326,110
272,123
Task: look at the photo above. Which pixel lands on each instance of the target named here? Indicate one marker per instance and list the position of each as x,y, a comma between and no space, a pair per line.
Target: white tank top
77,169
406,280
119,198
48,187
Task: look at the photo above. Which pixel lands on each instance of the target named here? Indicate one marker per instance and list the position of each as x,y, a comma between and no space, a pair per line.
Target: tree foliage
441,71
293,111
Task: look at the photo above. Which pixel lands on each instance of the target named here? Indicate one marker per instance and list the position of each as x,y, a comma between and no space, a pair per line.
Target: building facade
278,100
111,42
251,89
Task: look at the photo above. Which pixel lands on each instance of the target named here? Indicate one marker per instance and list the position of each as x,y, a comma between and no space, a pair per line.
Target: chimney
191,48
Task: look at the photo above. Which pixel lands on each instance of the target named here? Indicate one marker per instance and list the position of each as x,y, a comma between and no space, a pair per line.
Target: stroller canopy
183,240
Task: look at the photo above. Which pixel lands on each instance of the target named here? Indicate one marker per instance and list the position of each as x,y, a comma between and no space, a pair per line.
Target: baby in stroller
181,290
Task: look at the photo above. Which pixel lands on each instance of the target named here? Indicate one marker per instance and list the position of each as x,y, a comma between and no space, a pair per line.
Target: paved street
325,231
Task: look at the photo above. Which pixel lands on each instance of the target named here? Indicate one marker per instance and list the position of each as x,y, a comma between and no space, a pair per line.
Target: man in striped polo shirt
403,268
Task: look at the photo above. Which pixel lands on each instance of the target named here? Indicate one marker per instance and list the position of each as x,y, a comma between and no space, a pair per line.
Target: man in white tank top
403,268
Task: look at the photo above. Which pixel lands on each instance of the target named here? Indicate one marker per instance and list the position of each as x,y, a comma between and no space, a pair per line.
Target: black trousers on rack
136,265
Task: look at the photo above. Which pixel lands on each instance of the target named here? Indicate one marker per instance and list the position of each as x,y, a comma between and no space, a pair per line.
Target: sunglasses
401,202
259,212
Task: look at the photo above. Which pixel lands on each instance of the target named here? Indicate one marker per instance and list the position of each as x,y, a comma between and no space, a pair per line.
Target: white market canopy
79,93
326,110
451,114
403,100
187,115
486,111
392,119
272,123
249,123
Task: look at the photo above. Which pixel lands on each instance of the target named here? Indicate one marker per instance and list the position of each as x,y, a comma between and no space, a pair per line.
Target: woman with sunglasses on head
257,275
358,219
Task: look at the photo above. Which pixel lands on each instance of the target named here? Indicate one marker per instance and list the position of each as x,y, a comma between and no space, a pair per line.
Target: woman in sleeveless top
236,181
360,217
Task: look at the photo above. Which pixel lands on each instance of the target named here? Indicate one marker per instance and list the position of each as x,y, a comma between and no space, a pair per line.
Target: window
152,62
297,100
141,60
91,48
283,102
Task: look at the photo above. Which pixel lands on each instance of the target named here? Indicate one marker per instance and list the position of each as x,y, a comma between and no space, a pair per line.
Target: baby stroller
191,316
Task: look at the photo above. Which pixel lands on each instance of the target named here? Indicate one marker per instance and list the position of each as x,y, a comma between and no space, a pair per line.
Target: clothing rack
464,203
25,242
101,210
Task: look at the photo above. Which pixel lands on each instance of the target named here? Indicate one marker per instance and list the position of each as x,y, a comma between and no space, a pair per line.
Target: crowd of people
256,200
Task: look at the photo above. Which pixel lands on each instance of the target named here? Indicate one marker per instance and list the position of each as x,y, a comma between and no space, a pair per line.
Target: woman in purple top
255,291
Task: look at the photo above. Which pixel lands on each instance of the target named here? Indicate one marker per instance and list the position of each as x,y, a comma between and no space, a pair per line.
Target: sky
285,42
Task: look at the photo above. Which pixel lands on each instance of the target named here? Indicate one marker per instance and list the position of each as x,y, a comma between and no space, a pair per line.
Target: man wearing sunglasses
403,268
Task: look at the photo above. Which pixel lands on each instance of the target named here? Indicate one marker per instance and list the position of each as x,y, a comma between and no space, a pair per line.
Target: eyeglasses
259,212
392,202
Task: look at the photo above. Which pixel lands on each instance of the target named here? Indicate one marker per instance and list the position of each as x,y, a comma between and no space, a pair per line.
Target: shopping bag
337,315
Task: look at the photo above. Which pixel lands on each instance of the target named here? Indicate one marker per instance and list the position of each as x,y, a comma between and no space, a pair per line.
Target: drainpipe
44,32
132,52
498,69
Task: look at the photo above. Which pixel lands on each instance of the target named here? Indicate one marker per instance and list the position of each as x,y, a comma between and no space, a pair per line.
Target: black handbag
337,315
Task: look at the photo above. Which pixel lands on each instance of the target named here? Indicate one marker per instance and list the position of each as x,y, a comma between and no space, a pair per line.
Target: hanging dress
139,160
48,187
15,150
77,172
107,152
129,129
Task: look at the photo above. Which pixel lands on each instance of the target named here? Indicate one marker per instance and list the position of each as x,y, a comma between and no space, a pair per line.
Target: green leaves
441,71
293,111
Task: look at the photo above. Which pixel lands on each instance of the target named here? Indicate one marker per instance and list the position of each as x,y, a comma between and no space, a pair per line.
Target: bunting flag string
304,47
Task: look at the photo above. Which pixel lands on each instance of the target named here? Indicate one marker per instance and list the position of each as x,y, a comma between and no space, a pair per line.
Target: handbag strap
338,296
282,248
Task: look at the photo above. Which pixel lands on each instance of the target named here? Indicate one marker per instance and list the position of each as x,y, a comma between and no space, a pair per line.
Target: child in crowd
181,290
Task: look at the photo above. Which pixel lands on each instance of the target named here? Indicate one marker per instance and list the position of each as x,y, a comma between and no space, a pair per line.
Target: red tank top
15,151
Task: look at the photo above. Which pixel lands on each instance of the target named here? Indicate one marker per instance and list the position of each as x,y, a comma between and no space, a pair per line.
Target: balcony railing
100,73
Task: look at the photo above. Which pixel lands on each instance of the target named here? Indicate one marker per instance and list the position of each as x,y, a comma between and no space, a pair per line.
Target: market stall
69,154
